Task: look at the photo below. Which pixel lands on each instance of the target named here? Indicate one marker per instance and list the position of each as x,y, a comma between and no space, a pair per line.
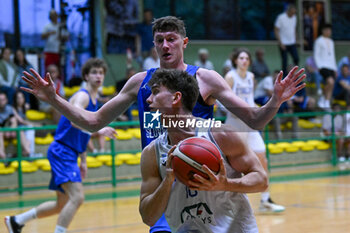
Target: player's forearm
80,117
249,183
263,115
153,206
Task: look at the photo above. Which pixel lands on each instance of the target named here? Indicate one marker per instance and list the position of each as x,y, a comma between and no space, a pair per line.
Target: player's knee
78,199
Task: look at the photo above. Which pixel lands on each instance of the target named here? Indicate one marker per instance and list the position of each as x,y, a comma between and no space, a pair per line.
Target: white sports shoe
270,207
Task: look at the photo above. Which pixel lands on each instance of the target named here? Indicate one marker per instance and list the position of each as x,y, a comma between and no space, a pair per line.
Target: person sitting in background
312,73
22,64
302,102
152,61
203,62
9,75
8,119
264,89
339,129
259,67
341,89
19,110
227,66
45,107
344,60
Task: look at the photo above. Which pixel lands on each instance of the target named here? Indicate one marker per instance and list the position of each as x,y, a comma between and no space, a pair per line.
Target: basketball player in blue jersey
70,143
215,205
170,41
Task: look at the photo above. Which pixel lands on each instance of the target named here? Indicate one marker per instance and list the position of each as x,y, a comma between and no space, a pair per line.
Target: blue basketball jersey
70,136
148,135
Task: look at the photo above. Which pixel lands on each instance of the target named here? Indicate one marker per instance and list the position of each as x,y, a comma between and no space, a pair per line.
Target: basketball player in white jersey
242,83
215,205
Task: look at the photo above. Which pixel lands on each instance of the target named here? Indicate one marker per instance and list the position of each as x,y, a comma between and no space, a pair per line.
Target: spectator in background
285,33
54,36
339,129
344,60
9,75
19,110
144,34
324,55
45,107
8,119
259,67
341,89
119,86
264,89
121,25
23,65
227,65
152,61
312,73
203,62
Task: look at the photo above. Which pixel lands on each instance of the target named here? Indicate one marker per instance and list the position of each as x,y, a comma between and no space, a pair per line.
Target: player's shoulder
207,75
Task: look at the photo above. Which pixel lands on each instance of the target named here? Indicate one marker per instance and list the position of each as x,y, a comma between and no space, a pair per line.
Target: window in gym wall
340,20
6,23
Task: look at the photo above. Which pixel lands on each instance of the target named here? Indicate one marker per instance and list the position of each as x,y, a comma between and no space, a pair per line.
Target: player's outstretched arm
155,192
44,90
213,86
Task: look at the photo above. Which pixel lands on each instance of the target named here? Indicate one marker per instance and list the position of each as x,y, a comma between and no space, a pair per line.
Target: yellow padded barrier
307,147
323,146
108,90
133,161
7,170
46,168
34,115
135,132
283,145
29,169
48,139
276,150
41,162
135,113
292,149
298,144
123,134
314,142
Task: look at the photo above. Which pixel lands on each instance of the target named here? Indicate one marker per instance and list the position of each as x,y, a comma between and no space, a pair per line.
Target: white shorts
254,141
250,136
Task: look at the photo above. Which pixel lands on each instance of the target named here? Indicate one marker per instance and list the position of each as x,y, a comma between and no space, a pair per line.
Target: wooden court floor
314,205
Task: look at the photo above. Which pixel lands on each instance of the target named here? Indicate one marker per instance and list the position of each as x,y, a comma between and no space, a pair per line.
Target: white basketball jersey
244,89
205,211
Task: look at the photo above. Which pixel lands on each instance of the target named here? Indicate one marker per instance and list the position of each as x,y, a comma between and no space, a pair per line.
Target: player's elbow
264,181
147,219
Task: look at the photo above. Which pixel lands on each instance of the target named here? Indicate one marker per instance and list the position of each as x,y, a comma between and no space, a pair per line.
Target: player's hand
108,132
43,89
83,169
169,167
216,182
285,88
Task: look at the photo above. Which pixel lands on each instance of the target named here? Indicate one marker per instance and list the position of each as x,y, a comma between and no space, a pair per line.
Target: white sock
26,216
60,229
265,196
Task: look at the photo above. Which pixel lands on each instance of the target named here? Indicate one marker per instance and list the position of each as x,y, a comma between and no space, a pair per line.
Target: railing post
19,160
114,178
334,143
266,131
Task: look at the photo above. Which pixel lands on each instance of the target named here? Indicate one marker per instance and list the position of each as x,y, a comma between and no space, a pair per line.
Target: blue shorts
64,165
161,225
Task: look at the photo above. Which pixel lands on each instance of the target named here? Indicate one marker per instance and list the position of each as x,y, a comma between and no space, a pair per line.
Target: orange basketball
189,156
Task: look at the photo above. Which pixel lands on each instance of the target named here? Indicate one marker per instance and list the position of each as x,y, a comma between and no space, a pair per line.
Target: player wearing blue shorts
170,41
70,143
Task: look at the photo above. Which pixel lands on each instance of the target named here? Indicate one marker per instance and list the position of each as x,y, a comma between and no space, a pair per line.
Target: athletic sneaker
270,207
12,225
